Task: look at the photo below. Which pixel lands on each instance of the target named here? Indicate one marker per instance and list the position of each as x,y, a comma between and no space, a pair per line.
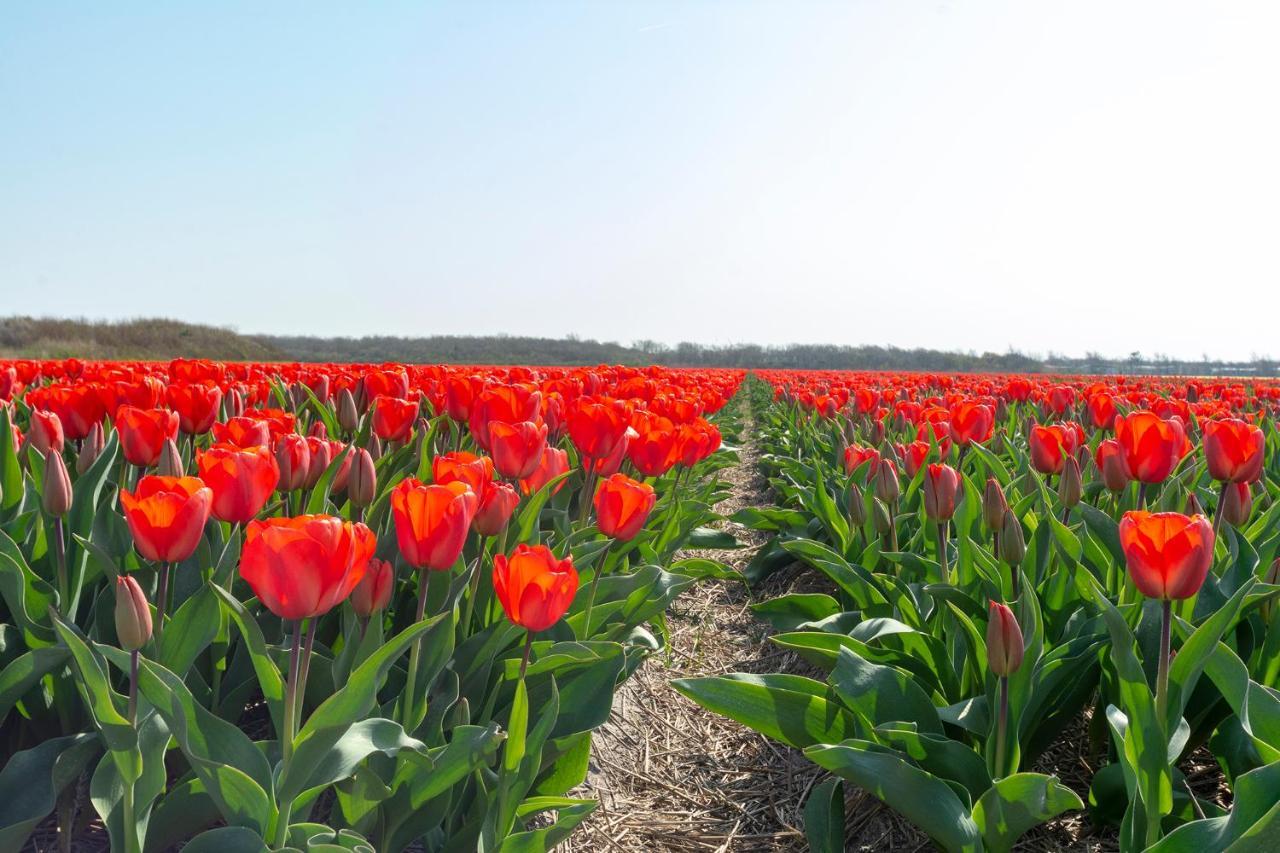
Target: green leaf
711,538
227,839
922,798
795,710
10,467
1189,662
190,631
517,728
25,672
943,757
269,678
1252,825
104,704
882,694
32,779
1017,803
358,742
788,612
824,817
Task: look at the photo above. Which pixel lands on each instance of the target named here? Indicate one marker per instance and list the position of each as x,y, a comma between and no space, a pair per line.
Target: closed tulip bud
373,592
293,457
1070,487
319,461
1111,465
361,398
877,432
495,509
941,483
857,505
1002,409
90,448
1237,504
318,430
297,395
997,443
170,464
880,517
45,433
348,416
362,482
1013,547
887,481
133,614
235,403
56,497
1193,505
374,446
1004,641
994,505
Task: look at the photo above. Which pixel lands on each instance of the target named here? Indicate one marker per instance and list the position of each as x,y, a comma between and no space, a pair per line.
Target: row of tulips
333,607
1013,561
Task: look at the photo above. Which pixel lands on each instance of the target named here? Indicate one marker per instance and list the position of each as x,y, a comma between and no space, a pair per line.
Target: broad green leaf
882,694
795,710
32,779
1018,803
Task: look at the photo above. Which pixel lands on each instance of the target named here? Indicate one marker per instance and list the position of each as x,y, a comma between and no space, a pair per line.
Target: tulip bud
1002,409
170,463
293,457
373,592
133,614
235,403
941,485
857,506
1193,506
362,482
56,497
880,517
374,446
1013,547
318,430
877,432
319,462
1004,641
1237,504
1070,487
887,481
297,396
90,448
994,505
348,417
996,444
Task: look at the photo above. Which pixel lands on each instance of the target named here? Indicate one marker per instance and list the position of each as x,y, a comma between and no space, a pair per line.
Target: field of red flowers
323,607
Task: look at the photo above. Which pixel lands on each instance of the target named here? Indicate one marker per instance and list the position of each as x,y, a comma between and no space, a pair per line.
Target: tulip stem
1217,515
286,740
941,528
162,601
1142,496
528,646
595,585
133,687
1002,726
410,687
475,585
304,669
588,490
1162,673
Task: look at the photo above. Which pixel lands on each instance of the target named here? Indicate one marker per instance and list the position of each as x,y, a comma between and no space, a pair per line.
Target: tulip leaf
227,839
526,522
11,490
26,595
269,678
882,694
1189,662
356,743
190,631
569,814
25,672
1018,803
517,728
792,709
789,612
32,779
942,756
1252,825
824,817
922,798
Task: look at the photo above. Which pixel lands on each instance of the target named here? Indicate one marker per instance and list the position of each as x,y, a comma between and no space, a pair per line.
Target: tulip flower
45,432
622,506
166,516
517,448
941,484
1237,504
914,456
1050,446
143,433
533,586
133,614
495,509
595,427
373,592
293,458
1070,486
855,456
303,567
654,451
362,482
971,422
393,418
243,431
1013,547
994,505
1004,657
1167,553
1234,451
554,463
242,479
432,521
196,405
1110,460
1152,446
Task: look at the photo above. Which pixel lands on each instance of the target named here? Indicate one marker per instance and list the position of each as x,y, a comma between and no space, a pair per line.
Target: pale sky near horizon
962,175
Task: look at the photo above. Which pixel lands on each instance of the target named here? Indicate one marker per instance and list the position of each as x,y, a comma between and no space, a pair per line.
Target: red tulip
242,478
432,521
166,516
243,431
302,567
595,427
463,467
1102,410
293,458
393,418
554,463
143,433
941,483
517,448
972,422
495,509
133,614
1152,446
1168,553
654,451
914,456
1234,450
1237,504
622,506
1005,647
534,588
373,592
45,432
196,405
855,456
1109,458
1050,446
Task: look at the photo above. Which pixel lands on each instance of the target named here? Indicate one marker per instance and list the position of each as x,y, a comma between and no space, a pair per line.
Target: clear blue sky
1069,176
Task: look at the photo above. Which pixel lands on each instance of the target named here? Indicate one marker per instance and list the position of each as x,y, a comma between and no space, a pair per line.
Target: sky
1069,177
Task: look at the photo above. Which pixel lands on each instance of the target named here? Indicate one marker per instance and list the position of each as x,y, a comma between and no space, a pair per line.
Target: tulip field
337,607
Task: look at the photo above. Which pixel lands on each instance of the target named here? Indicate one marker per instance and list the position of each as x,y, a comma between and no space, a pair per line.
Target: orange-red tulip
1005,647
1234,450
534,588
495,509
242,479
196,405
45,432
243,431
517,448
1168,554
1109,458
393,418
166,516
373,592
143,433
972,422
554,463
1152,445
302,567
941,483
432,521
1050,446
622,506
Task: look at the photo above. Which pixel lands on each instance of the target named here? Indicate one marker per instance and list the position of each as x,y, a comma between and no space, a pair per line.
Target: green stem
162,601
591,598
588,490
1217,516
1162,709
941,528
286,740
128,819
474,590
424,580
64,582
1002,726
304,669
